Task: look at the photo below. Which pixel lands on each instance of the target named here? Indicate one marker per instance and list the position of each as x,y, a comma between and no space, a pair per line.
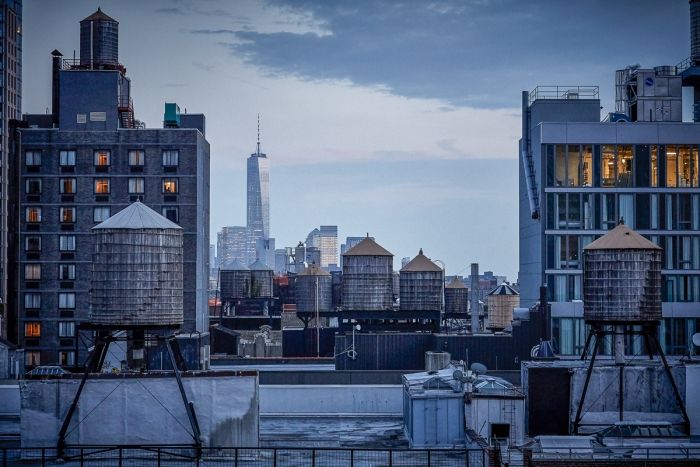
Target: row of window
642,211
102,158
675,337
65,329
675,288
574,165
32,272
101,186
65,357
66,300
67,214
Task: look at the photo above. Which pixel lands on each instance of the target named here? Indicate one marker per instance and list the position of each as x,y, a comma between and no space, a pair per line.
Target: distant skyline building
258,199
232,245
325,239
10,109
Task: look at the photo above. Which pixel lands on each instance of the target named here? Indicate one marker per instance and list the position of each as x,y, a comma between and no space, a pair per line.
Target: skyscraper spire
258,151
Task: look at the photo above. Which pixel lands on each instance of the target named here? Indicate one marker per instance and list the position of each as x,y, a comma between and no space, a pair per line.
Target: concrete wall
331,399
483,411
119,410
9,398
692,401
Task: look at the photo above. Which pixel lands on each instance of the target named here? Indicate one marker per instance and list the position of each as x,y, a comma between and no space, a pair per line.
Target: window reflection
654,166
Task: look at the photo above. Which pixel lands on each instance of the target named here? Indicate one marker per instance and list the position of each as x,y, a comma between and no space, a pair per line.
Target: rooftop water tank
420,284
313,290
456,297
260,280
501,302
234,281
99,41
137,270
367,277
622,278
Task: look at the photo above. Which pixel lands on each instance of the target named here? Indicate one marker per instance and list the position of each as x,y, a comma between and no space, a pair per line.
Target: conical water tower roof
421,263
234,265
367,247
259,266
503,289
456,283
622,238
314,270
137,216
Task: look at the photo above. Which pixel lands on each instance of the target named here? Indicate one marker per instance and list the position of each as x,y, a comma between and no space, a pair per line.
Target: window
67,186
66,357
573,165
66,300
100,214
32,243
560,165
170,185
67,215
32,272
136,185
32,158
67,158
587,166
102,158
32,300
684,166
625,160
66,329
608,213
671,173
170,213
66,272
66,243
654,166
101,186
607,166
33,186
32,329
33,214
32,358
626,211
136,157
170,158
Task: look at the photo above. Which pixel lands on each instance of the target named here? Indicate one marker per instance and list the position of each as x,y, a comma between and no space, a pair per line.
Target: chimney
56,65
474,297
544,308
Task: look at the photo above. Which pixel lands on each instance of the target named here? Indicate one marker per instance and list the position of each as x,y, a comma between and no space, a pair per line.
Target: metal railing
563,92
620,452
243,457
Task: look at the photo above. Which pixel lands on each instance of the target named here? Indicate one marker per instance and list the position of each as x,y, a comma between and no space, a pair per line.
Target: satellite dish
358,327
458,375
478,368
696,339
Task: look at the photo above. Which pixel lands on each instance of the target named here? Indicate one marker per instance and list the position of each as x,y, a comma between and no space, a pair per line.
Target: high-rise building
10,109
580,177
232,245
258,199
325,239
265,251
89,161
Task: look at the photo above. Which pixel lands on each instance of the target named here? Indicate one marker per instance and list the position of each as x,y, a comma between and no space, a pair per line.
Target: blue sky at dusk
397,118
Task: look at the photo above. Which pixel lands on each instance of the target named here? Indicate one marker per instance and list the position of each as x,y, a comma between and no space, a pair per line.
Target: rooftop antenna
258,153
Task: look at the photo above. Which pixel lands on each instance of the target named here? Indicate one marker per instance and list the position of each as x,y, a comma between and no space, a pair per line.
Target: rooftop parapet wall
226,407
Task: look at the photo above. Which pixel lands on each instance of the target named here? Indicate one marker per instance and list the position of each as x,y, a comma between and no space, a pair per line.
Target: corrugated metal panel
302,342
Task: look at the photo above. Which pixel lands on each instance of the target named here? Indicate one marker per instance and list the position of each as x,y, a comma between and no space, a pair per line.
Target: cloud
171,11
214,32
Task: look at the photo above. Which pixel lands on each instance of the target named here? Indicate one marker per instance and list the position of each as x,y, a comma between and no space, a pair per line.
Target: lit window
67,215
66,300
67,158
32,358
607,168
32,272
32,158
170,185
170,212
100,214
136,157
66,329
32,243
32,300
66,357
102,185
66,243
67,186
102,158
33,186
32,329
671,169
66,272
33,214
170,158
136,185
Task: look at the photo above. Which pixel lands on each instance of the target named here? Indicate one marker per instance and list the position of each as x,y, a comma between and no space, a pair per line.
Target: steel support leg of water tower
93,363
176,360
676,392
588,343
579,410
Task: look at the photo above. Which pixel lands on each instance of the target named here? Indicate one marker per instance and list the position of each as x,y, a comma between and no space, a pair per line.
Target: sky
400,119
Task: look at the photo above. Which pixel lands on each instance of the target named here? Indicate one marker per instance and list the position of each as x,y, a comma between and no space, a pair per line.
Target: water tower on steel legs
622,299
136,297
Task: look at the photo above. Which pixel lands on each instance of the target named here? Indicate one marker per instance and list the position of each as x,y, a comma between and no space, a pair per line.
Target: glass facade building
258,201
578,178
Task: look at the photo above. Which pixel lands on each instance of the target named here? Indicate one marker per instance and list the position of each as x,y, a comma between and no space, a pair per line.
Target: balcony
563,93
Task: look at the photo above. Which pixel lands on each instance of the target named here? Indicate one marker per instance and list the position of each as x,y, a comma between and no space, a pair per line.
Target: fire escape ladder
530,177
